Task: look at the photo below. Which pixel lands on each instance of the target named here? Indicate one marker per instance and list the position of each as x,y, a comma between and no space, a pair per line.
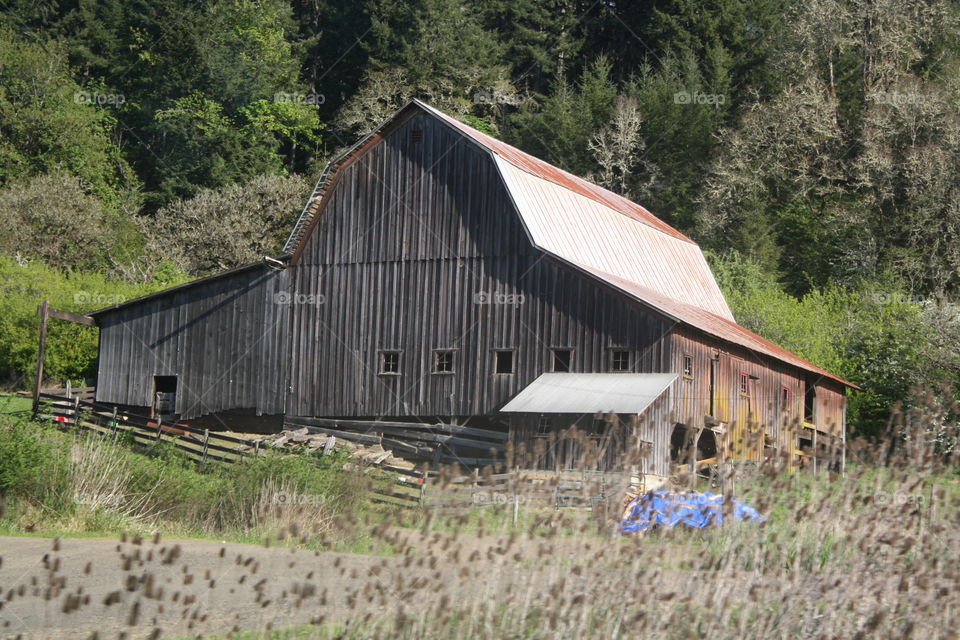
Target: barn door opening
714,363
164,395
810,401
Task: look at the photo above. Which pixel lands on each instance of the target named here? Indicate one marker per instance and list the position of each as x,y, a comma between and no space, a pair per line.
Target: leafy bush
222,228
54,218
876,335
29,463
71,348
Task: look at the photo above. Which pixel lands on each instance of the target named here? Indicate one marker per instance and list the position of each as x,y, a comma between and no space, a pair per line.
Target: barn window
416,135
784,398
544,425
620,360
561,360
687,366
443,361
744,383
390,363
503,361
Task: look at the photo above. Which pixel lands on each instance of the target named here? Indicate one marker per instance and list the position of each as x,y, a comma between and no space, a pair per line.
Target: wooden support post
113,423
76,411
206,440
43,310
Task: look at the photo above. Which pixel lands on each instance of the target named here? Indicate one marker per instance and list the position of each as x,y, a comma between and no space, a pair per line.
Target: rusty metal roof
575,227
537,167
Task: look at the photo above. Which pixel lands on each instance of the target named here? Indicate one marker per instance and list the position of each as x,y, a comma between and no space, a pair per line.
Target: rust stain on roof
558,176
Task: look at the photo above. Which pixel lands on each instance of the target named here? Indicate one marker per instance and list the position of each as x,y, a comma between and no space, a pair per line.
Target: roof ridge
587,189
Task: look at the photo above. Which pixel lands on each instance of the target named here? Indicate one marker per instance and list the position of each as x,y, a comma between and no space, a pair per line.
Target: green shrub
71,348
29,460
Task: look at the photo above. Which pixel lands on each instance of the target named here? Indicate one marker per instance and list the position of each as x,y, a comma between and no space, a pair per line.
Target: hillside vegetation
812,148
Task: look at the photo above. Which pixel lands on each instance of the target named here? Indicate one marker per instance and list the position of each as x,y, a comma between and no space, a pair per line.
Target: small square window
544,425
620,360
503,361
744,383
687,366
561,360
443,361
390,363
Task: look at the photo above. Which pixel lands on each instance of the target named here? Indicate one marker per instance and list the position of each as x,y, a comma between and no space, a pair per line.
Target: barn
438,275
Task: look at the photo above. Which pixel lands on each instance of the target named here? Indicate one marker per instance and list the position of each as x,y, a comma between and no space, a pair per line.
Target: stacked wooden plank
435,443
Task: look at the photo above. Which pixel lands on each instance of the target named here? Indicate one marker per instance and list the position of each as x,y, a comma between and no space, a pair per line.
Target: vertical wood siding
419,248
225,339
760,416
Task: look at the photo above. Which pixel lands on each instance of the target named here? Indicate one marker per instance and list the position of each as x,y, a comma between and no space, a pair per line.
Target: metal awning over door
628,393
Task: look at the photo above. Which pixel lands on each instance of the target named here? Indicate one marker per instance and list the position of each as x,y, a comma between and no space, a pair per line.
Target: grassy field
13,404
871,552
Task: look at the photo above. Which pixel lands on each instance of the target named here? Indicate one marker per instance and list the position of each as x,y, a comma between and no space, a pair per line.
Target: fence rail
399,487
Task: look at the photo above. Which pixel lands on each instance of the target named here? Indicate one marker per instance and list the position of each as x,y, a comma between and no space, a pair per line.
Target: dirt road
77,587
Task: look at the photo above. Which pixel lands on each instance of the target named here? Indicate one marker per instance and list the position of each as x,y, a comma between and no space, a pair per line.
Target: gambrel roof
592,230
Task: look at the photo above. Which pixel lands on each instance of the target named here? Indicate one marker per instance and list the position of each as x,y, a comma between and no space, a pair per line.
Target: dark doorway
810,402
164,395
707,445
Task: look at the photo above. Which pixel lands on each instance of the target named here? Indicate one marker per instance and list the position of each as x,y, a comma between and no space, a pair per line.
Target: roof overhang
584,393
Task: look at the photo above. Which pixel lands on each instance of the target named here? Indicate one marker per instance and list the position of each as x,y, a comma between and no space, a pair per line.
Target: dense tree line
813,147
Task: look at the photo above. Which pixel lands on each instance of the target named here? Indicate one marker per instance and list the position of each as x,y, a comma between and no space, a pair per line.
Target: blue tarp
692,508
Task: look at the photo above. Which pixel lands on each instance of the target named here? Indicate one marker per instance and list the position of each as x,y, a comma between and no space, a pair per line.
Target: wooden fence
70,392
398,486
200,445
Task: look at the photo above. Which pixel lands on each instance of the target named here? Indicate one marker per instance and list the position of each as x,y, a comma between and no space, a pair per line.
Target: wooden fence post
423,487
43,310
206,439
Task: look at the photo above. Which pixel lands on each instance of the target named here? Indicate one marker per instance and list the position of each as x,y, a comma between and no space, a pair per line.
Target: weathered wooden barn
438,274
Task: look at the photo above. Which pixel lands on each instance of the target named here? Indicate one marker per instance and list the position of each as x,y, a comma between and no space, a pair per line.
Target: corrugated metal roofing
591,393
574,227
547,171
